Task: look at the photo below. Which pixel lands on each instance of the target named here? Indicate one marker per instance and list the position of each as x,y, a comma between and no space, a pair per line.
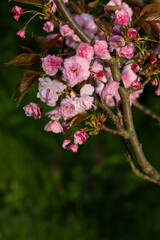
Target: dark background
47,193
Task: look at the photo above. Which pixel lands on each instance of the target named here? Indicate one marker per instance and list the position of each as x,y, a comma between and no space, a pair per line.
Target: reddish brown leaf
25,59
28,80
112,8
48,44
101,25
77,119
38,39
155,27
45,43
27,49
93,4
146,27
137,11
148,9
32,2
154,17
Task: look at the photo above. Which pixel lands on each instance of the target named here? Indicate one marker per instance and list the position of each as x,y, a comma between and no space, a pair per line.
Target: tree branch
146,111
128,120
135,170
72,23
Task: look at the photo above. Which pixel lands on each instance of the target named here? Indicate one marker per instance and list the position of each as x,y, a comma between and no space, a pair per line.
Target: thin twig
146,111
113,131
114,118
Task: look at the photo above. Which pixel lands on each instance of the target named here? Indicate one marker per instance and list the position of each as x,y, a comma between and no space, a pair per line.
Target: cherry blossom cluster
79,74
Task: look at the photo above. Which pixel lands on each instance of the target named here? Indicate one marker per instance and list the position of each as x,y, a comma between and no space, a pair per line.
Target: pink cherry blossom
71,43
48,90
80,137
86,21
87,89
86,101
65,30
75,70
32,110
67,108
21,33
101,49
117,2
110,89
51,64
132,33
97,69
128,76
54,114
122,18
48,27
85,51
116,42
127,8
54,127
127,51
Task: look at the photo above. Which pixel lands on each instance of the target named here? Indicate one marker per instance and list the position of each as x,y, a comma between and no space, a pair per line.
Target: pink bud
73,148
54,127
157,92
17,10
154,82
32,110
136,84
67,144
80,137
16,17
153,60
135,67
21,33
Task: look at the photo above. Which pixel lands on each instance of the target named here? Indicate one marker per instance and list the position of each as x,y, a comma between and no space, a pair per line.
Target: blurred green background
47,193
